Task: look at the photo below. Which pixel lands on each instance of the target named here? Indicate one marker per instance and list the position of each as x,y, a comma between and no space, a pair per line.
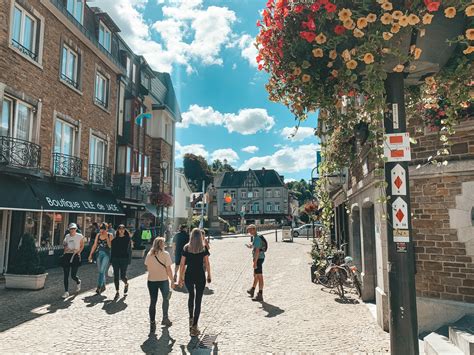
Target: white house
182,205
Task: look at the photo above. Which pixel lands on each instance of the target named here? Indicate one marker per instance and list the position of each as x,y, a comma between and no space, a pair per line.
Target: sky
208,48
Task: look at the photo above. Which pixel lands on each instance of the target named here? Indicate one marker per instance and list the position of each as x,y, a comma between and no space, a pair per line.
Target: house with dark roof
258,196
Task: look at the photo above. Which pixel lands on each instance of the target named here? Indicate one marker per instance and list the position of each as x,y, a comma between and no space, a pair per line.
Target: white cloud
246,44
190,32
234,66
250,149
196,149
285,160
246,121
228,154
289,180
301,134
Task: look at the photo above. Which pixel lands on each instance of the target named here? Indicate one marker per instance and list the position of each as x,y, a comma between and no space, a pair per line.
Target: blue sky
207,47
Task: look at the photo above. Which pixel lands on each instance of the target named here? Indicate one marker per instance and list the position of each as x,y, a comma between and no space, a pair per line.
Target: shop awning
16,194
66,198
152,209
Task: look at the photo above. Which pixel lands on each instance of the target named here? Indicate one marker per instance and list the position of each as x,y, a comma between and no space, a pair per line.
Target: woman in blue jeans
103,243
158,263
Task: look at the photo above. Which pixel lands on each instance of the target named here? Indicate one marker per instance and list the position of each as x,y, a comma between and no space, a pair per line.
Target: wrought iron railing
100,102
24,50
19,153
67,166
70,81
59,4
100,175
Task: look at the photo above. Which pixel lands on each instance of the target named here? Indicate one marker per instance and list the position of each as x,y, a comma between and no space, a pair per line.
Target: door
4,233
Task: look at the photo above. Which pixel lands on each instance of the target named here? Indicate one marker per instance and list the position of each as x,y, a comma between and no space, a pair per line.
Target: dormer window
105,37
76,9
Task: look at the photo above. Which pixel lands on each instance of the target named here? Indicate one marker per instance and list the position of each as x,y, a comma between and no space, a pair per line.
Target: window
17,119
101,89
98,149
146,162
250,194
69,66
139,162
25,30
277,207
129,67
268,193
128,165
243,194
134,72
121,109
255,194
277,193
105,37
165,176
75,8
269,206
64,138
232,194
256,207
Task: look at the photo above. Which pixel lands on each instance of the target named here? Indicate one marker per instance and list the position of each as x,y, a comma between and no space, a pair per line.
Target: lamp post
164,167
313,184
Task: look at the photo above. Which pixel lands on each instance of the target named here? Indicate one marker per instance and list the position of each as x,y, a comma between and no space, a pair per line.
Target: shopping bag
146,234
110,272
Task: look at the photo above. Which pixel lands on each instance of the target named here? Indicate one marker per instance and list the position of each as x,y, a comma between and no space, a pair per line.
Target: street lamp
164,167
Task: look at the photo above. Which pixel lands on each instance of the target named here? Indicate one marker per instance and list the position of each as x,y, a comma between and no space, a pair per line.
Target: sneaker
259,297
97,290
251,291
65,295
102,289
194,332
125,290
166,322
78,287
117,296
152,327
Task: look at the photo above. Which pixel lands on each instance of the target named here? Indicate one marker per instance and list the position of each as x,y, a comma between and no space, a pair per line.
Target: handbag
110,271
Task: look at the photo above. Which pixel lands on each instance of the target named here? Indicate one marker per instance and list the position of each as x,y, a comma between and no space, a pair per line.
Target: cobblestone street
297,316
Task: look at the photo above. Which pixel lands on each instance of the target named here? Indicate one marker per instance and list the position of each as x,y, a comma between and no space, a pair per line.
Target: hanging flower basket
164,200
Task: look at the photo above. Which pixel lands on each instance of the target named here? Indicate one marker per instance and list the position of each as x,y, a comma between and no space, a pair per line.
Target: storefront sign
135,179
397,147
81,206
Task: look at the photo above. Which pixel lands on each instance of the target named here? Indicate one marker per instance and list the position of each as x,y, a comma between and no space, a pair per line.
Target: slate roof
163,91
265,178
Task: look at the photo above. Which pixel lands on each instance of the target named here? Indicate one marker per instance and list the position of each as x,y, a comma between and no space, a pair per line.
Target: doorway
369,253
4,233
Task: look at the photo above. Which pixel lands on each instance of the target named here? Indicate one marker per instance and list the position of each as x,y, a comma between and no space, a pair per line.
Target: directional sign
396,147
401,235
400,214
399,181
142,116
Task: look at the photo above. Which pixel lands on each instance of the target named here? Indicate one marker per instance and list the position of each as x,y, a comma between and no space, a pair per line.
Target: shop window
32,223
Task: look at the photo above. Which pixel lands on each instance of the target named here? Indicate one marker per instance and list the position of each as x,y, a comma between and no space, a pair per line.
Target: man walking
258,257
179,241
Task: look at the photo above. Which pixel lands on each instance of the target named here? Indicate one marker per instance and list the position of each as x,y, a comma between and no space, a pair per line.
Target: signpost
135,179
146,184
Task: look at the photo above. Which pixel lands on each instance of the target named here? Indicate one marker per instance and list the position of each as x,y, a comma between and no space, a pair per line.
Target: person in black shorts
258,258
195,260
179,241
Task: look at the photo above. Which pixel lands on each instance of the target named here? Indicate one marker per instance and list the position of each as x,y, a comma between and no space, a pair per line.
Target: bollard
276,235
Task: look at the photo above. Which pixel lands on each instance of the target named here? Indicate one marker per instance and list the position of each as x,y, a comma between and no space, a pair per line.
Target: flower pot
26,282
138,254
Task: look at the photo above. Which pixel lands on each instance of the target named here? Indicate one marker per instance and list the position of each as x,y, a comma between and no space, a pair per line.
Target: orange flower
386,19
371,18
403,21
306,78
333,54
470,11
349,24
387,36
346,55
470,34
468,50
430,80
334,73
362,23
330,64
345,14
318,53
368,58
386,50
358,33
321,38
427,19
399,68
395,28
397,14
297,71
450,12
413,19
352,64
387,6
417,53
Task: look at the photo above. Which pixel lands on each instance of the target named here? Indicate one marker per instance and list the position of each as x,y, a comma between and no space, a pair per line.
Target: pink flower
299,8
310,25
432,6
330,7
308,36
315,7
339,29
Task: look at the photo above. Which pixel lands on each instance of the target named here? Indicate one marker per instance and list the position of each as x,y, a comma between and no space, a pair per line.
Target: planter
138,254
26,282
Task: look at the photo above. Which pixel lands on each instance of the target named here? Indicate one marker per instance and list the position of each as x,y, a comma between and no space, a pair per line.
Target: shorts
259,269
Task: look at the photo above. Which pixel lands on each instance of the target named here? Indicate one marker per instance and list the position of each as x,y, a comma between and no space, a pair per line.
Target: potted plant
138,250
26,271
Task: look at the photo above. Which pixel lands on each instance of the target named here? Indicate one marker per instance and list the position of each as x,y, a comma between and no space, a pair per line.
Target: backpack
264,247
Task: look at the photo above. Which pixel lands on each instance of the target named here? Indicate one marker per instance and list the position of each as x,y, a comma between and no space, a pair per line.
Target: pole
201,223
162,209
276,235
401,260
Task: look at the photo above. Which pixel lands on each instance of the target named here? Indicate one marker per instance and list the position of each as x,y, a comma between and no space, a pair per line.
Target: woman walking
71,259
158,263
103,243
121,254
194,259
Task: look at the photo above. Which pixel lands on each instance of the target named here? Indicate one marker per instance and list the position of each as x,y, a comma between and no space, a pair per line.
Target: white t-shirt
71,242
156,271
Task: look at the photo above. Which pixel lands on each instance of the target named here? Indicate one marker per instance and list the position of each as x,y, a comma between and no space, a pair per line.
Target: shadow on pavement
115,306
272,311
208,291
94,300
346,300
188,349
162,345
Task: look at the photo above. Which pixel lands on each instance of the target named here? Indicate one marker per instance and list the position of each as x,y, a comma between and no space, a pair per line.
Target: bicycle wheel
339,285
357,285
327,281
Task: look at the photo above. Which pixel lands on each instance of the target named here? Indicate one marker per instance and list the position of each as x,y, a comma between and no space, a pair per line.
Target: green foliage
301,190
197,219
27,260
304,216
196,170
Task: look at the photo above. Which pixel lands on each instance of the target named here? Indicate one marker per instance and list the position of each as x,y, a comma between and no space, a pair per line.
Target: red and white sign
135,179
396,147
399,181
400,214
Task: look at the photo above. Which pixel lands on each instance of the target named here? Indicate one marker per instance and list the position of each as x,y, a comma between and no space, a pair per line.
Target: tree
301,190
218,167
196,170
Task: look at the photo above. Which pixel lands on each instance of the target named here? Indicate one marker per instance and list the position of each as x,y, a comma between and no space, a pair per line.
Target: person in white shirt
71,259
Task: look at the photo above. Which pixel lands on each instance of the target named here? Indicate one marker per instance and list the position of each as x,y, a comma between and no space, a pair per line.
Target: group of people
191,253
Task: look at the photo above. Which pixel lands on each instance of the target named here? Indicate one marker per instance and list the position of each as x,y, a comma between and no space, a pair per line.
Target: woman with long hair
121,254
194,263
158,263
103,243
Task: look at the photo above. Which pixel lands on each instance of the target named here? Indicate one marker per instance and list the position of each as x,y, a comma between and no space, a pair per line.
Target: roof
265,178
163,91
105,17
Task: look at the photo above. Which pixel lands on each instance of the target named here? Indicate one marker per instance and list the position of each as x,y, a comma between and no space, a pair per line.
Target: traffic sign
399,181
397,147
400,214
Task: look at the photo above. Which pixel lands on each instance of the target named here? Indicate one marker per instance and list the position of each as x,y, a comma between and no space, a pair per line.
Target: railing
19,153
25,50
100,102
91,36
100,175
67,166
68,80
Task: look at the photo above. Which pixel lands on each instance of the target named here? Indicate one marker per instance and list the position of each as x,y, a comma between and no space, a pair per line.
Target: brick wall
161,150
43,84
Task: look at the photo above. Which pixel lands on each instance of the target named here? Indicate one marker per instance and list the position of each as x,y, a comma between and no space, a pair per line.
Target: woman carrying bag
195,259
158,263
103,243
121,253
71,259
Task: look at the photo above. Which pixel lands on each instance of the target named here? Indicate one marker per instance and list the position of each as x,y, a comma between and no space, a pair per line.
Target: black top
181,239
195,264
121,247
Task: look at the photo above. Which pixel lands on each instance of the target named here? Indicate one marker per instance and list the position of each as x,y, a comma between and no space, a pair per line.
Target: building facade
261,196
182,211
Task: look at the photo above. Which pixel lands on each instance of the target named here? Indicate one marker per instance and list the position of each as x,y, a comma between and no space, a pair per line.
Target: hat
121,226
72,226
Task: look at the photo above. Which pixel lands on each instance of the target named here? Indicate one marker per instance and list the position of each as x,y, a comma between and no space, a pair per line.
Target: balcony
67,167
100,175
20,154
124,190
